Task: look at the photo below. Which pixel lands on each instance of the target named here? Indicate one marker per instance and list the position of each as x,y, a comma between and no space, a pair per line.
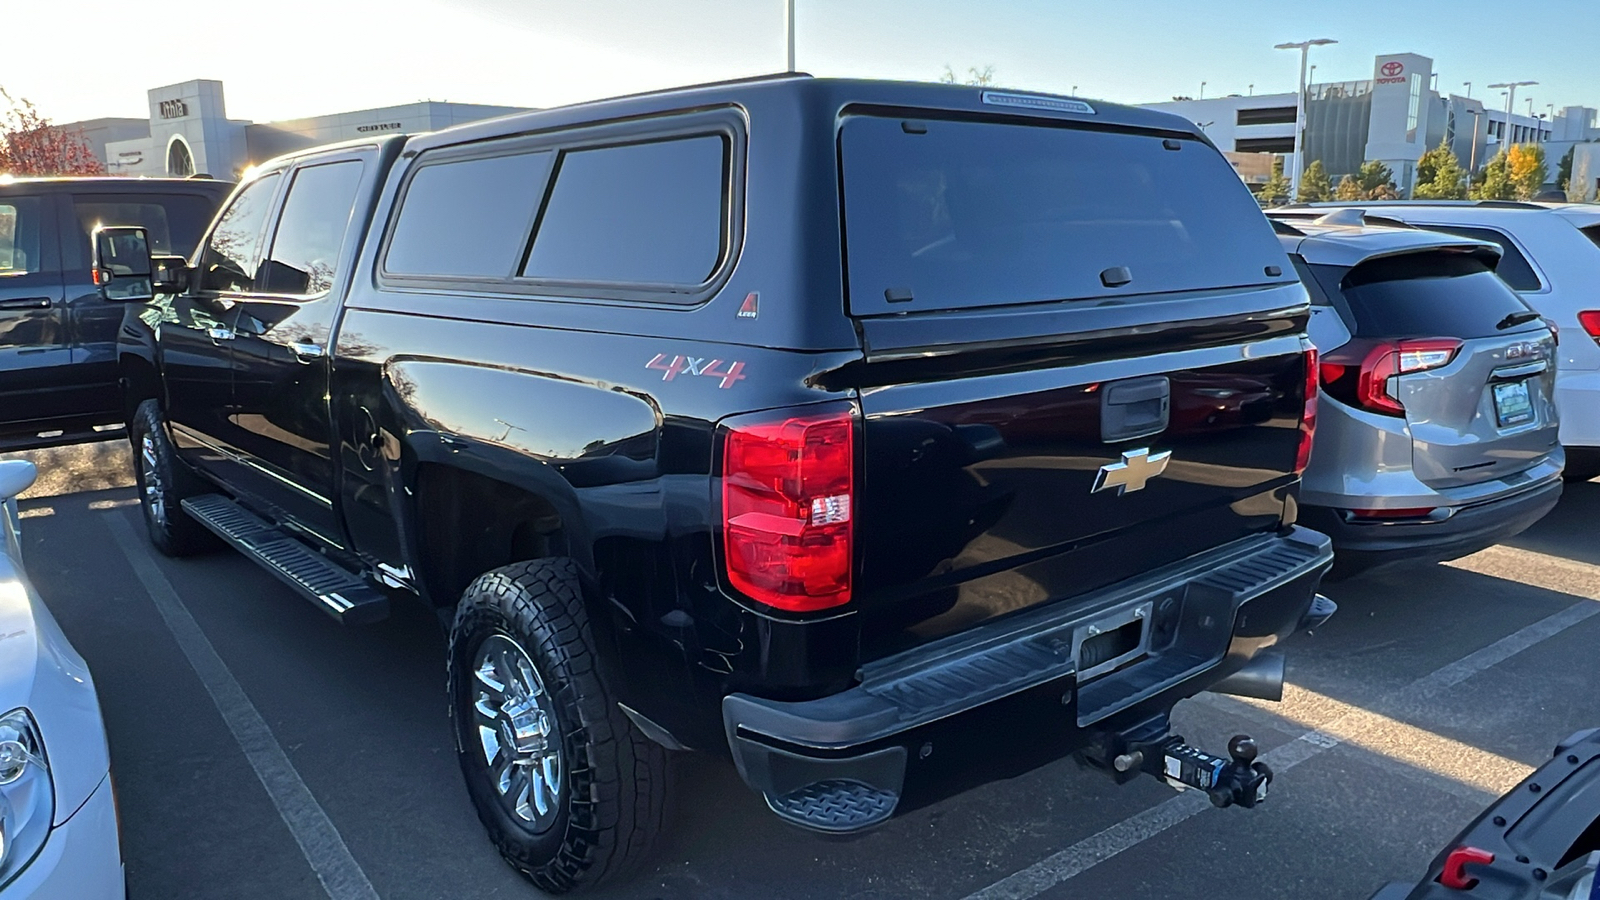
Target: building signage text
174,109
384,126
1391,72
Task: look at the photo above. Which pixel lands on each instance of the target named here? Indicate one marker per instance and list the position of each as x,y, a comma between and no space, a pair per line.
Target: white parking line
319,840
1136,829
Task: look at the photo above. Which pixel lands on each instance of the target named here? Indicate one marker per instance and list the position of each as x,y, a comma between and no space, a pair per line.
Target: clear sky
291,58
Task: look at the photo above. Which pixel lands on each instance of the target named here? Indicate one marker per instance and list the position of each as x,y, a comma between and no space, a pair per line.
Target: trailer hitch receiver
1239,780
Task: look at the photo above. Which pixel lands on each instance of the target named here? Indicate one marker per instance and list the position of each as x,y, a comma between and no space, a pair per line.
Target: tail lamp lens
1590,320
1308,418
1361,372
788,491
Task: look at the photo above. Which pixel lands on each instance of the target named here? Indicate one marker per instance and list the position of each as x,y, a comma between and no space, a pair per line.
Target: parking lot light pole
1510,88
788,30
1300,108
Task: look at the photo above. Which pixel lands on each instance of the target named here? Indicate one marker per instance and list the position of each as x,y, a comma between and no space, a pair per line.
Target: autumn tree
1528,171
1496,182
1315,186
1276,191
31,146
1349,189
1440,176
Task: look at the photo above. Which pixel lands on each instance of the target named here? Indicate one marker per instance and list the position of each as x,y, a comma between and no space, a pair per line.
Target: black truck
58,335
882,438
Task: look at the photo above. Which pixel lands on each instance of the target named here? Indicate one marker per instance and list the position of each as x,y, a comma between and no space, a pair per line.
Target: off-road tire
171,529
611,807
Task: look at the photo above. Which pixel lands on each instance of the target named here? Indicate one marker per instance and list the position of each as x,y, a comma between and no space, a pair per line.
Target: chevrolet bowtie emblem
1136,468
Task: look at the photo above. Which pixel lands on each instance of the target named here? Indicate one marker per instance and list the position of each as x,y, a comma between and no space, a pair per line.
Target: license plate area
1112,641
1513,405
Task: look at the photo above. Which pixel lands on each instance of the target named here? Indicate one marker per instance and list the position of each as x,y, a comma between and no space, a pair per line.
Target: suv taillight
1590,320
1308,418
788,491
1360,373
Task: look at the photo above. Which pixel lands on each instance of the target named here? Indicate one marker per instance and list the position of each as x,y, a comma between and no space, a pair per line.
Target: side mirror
121,264
169,274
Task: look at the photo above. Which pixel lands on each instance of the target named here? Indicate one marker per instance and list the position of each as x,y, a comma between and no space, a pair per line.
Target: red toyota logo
1391,69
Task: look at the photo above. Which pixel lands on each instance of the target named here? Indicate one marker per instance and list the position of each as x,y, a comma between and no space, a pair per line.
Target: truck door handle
307,352
26,303
220,334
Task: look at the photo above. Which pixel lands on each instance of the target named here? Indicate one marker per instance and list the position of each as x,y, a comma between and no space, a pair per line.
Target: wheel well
139,383
468,524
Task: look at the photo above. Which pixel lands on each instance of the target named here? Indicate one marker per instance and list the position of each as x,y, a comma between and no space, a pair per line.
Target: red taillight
1308,418
1455,875
1590,320
788,491
1411,513
1359,373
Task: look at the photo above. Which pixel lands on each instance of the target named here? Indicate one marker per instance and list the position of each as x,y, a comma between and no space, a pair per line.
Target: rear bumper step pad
333,588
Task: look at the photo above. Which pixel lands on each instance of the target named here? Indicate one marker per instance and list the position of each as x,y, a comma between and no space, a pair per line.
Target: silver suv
1437,429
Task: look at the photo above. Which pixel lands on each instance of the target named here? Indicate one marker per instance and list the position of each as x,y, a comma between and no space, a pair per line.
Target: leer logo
1392,68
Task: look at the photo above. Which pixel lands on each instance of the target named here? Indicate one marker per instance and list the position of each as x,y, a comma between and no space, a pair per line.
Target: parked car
675,481
1541,841
1556,269
1437,432
58,821
58,337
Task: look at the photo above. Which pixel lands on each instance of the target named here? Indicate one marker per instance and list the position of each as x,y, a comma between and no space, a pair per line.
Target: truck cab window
305,248
229,260
19,236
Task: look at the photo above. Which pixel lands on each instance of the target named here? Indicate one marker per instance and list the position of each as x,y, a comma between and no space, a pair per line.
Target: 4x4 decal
694,365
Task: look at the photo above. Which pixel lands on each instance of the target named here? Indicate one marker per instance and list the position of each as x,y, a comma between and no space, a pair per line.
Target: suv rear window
173,222
946,214
1422,295
1514,267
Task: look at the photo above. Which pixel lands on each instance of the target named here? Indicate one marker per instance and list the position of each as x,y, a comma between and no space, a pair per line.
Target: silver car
1437,432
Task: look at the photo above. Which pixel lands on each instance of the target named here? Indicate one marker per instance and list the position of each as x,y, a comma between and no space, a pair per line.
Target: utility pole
788,30
1300,108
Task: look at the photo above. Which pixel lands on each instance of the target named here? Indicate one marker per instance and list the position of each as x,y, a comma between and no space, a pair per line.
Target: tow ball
1237,781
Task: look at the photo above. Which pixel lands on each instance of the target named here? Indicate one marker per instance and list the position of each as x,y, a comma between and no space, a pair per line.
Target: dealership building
189,132
1393,117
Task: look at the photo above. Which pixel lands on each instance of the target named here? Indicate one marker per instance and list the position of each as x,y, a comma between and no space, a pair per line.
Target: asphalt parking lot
260,750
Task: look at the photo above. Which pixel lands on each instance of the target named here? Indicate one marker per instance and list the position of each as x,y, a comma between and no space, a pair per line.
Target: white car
1552,258
58,822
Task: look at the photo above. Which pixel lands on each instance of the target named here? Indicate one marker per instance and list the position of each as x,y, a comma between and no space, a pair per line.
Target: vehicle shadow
1569,531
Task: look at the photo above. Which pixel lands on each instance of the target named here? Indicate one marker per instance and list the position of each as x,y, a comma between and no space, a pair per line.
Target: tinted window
20,227
174,223
468,217
305,248
1592,233
1423,295
963,214
228,262
1319,297
643,213
1514,267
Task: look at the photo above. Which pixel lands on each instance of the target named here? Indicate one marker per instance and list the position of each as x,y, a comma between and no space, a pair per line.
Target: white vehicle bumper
81,859
1578,402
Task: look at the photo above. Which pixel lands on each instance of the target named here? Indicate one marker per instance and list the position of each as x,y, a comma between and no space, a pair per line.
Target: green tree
1440,176
1376,181
1349,189
1496,182
1276,191
1564,167
976,77
1314,184
1528,170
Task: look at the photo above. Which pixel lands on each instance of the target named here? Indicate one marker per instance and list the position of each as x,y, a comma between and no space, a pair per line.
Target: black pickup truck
58,336
882,438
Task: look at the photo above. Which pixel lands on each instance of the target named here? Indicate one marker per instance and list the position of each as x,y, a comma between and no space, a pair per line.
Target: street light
1300,106
1510,88
1469,89
1202,90
788,30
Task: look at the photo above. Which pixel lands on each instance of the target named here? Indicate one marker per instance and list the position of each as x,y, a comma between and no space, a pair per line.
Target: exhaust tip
1261,678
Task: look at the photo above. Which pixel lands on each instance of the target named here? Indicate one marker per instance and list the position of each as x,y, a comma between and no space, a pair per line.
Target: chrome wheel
155,492
516,726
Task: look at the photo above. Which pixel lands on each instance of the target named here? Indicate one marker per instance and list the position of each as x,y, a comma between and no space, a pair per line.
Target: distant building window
1274,115
179,163
1416,107
1264,145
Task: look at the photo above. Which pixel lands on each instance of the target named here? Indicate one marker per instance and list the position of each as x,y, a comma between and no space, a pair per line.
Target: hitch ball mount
1238,780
